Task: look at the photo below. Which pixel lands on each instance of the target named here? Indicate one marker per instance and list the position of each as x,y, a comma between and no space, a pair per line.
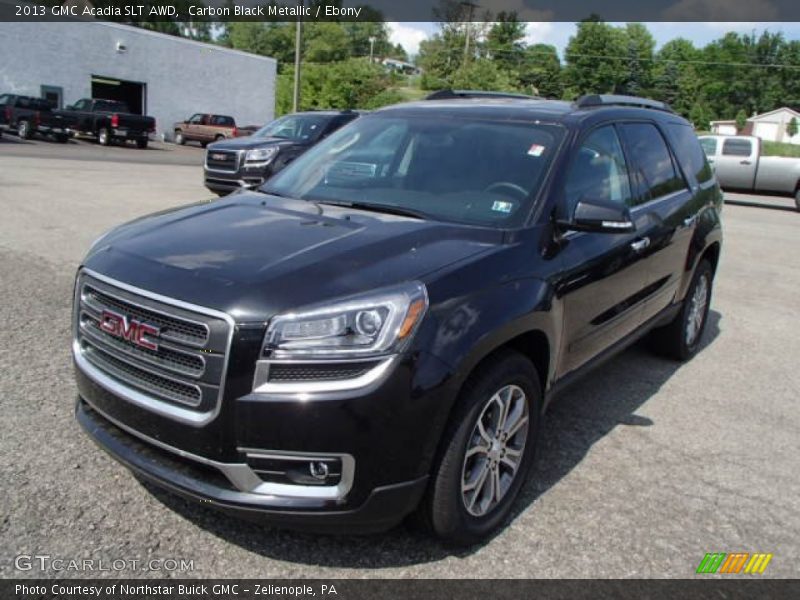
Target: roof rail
454,94
592,100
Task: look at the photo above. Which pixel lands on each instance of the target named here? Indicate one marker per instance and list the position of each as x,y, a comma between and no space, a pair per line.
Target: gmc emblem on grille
132,330
219,157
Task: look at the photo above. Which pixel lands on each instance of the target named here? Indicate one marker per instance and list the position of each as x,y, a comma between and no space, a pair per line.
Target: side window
196,119
598,171
657,173
737,147
688,152
82,104
709,146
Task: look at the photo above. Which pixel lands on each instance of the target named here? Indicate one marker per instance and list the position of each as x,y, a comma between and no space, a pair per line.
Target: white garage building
164,76
772,125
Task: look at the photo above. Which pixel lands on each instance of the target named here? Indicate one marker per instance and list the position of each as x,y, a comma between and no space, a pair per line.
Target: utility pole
470,6
371,47
298,38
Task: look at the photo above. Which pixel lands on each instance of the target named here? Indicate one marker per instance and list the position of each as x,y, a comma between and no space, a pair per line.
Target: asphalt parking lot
645,466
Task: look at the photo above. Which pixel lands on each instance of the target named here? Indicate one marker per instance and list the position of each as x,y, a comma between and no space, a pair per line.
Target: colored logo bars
738,562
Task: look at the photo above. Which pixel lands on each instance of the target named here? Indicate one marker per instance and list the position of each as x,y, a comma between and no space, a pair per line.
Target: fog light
318,470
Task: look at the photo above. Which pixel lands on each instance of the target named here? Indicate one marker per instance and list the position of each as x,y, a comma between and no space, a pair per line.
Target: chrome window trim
177,413
262,385
244,479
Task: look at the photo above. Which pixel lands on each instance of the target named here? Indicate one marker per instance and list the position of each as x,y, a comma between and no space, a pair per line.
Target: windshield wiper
380,208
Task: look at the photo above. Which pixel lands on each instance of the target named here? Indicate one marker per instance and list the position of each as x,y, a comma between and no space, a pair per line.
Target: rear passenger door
736,162
663,210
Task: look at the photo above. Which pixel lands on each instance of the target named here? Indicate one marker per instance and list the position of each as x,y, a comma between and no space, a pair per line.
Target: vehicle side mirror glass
600,216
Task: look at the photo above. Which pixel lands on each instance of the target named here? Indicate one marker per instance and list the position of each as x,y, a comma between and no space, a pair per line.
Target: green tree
791,127
639,46
482,74
741,120
539,71
594,59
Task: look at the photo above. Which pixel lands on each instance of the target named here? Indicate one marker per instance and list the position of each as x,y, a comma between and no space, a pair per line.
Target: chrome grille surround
184,379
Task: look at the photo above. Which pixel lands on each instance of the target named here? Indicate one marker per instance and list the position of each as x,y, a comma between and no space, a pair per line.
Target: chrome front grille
223,160
183,377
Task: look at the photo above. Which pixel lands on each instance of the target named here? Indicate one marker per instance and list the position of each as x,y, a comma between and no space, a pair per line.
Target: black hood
253,255
249,142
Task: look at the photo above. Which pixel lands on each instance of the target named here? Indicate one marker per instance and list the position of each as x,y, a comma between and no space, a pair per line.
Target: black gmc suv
247,162
380,327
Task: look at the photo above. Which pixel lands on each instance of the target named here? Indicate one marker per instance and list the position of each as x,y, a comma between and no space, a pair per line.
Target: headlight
380,322
261,155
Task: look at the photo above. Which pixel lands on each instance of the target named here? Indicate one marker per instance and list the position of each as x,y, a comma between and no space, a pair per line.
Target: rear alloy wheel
24,130
487,451
681,338
104,137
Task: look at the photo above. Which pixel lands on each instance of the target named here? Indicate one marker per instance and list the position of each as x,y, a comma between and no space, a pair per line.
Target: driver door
603,276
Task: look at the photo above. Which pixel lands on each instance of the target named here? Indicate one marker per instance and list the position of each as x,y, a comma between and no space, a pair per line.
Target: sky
411,34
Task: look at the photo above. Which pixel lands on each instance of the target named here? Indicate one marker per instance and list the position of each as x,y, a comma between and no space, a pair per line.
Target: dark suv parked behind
249,161
380,327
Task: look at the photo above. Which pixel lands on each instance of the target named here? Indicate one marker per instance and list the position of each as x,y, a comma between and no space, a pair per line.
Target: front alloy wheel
494,450
486,450
697,309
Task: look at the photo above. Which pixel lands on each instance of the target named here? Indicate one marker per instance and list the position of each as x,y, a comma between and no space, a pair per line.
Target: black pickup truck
27,116
109,121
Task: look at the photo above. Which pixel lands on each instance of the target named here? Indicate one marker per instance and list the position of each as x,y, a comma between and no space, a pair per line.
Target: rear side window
658,175
737,147
598,171
222,121
688,152
4,99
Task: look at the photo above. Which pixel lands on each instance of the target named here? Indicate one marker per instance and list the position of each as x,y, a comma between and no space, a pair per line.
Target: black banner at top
403,10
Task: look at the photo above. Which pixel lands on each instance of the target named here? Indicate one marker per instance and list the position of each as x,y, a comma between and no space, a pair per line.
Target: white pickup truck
740,165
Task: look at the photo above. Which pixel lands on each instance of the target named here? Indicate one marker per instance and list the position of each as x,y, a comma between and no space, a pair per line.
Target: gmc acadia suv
379,328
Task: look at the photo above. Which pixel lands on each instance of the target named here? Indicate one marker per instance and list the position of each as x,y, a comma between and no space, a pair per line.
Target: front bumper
203,481
225,182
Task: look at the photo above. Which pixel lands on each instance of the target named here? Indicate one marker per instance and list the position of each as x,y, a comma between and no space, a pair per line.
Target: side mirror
600,216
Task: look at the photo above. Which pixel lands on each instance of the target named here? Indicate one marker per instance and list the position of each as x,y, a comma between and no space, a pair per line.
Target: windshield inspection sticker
535,150
503,207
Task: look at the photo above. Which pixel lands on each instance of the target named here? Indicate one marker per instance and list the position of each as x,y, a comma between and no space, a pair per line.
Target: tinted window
4,99
646,146
82,105
688,152
222,121
737,147
196,119
709,145
301,128
449,169
598,171
110,106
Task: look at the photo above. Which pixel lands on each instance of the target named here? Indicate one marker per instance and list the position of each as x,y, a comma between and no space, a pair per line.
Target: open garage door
132,93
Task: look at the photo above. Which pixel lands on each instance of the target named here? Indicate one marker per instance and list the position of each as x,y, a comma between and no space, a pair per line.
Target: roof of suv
517,107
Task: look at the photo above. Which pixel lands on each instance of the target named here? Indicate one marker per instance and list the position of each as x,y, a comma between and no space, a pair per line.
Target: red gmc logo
132,330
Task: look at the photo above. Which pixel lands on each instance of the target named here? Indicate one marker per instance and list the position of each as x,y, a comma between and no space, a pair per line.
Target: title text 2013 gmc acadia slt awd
378,329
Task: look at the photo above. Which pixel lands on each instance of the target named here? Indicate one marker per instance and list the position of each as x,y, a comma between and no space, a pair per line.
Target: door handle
640,245
745,162
689,221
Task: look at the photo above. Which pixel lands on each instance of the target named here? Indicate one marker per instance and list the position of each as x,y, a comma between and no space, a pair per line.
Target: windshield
300,128
449,169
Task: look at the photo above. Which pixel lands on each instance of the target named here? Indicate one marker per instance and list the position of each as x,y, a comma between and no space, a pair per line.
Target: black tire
24,129
219,138
141,144
203,144
179,139
444,509
62,138
104,137
797,200
674,340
